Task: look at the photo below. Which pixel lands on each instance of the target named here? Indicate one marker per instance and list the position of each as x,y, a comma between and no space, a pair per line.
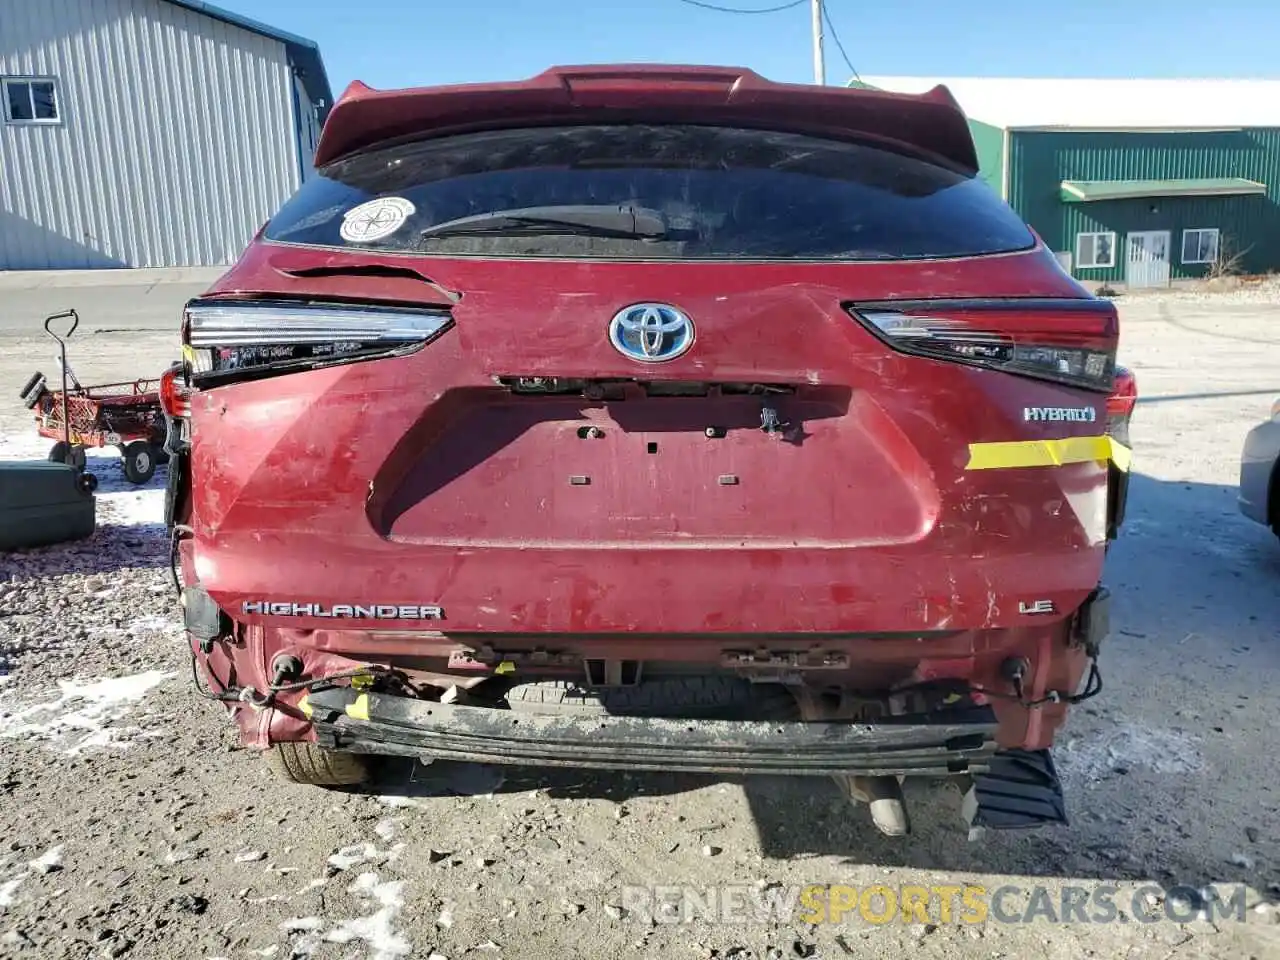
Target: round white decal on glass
375,219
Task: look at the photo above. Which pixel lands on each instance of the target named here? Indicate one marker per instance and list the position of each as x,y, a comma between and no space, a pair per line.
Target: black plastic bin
43,503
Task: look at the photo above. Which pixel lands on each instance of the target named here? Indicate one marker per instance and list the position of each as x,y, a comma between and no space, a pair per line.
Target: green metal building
1134,182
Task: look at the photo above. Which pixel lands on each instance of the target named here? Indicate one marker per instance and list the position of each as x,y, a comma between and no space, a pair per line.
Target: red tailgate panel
641,473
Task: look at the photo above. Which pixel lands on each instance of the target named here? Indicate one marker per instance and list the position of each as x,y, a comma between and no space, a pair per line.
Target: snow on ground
88,715
376,929
154,623
132,509
46,863
24,446
9,890
1129,746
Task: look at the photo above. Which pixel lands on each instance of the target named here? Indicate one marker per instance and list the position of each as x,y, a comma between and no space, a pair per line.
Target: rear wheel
709,697
27,387
315,766
32,391
139,461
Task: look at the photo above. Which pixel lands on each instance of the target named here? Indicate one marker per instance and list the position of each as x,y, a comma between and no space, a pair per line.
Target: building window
1200,246
1095,250
31,100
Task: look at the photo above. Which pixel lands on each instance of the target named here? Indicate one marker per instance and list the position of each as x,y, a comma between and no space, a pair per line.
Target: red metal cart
123,415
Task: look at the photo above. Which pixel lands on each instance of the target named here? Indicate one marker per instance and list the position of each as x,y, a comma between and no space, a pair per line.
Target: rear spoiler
931,122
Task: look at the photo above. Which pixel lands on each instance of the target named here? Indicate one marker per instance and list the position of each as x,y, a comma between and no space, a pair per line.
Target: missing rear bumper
926,745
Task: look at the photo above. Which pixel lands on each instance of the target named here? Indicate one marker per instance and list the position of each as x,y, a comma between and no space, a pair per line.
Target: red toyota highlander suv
659,418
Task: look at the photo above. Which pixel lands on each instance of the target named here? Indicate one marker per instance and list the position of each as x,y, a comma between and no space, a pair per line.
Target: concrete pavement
108,301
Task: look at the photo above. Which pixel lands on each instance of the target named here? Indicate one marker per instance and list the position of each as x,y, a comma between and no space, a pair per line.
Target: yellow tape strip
1121,455
305,706
1007,455
359,710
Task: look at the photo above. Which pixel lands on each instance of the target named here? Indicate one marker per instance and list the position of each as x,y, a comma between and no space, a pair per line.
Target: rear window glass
660,192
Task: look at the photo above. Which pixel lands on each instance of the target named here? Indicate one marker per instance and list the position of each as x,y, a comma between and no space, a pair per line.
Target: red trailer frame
108,414
124,415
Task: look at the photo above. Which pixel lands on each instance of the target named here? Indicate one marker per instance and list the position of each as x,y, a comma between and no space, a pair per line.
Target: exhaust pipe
883,795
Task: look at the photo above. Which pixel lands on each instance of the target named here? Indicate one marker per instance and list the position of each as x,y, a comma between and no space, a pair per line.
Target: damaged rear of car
654,418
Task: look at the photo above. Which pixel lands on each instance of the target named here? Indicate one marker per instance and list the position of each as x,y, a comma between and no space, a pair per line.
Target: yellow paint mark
359,710
1011,454
362,681
305,706
506,666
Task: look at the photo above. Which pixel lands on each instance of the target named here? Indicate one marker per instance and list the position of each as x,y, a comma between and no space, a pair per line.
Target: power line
839,46
826,16
719,9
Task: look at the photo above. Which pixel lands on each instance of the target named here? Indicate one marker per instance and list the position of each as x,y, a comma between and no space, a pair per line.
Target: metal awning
1088,191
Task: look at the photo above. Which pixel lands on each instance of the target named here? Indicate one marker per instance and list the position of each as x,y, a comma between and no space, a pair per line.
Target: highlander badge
651,332
380,611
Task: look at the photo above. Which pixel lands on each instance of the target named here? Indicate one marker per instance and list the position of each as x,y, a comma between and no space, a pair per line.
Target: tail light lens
240,339
1066,341
175,396
1120,404
175,401
1124,395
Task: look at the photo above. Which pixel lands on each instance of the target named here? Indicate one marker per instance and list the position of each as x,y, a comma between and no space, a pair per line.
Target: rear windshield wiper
597,220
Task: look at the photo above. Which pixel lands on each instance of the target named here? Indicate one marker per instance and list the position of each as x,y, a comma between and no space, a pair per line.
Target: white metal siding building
147,133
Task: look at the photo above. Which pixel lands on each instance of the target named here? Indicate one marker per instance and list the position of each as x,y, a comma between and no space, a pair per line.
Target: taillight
175,396
1067,341
246,338
1124,395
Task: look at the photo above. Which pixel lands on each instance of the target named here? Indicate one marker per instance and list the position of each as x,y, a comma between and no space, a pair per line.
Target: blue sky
390,43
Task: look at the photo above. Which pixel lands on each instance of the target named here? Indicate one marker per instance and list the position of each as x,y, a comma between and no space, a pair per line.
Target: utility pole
819,67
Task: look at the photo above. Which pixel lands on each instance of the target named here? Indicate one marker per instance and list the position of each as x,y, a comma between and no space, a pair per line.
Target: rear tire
32,392
315,766
139,462
27,387
708,697
59,452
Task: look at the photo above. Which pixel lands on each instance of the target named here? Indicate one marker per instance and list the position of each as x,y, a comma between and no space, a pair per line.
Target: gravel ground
132,825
